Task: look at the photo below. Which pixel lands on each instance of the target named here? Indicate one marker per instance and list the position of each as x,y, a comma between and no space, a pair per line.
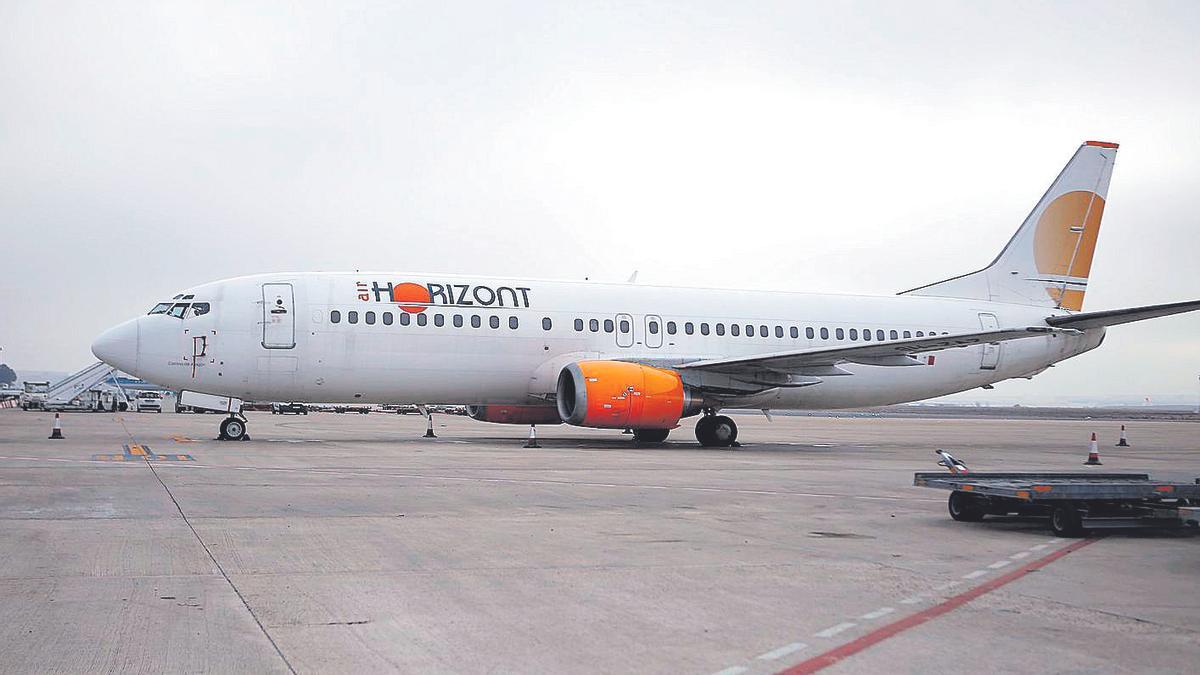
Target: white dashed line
834,630
1038,547
1018,556
975,575
1055,540
913,600
998,564
782,651
947,585
734,670
882,611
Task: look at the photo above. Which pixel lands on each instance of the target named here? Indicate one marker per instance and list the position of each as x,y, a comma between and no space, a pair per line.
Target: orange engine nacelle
618,395
514,414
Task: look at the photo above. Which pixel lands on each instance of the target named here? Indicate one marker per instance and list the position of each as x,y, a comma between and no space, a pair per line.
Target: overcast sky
830,147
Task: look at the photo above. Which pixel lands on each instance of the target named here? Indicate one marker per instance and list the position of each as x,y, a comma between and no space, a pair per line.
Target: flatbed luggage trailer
1075,503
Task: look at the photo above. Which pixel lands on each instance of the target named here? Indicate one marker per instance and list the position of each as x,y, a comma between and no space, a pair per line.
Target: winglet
1102,144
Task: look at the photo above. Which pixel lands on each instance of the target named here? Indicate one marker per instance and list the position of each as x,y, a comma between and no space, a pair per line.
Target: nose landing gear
716,431
234,429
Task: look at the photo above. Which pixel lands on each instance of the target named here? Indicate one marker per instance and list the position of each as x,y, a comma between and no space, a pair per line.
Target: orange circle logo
410,293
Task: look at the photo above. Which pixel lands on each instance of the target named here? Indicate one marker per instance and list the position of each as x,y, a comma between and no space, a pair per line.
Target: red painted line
913,620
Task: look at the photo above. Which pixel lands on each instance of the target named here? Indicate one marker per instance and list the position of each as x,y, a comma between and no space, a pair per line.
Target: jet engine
618,395
514,414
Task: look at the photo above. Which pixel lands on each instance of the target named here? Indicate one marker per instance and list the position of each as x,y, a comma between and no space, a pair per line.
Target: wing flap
1116,317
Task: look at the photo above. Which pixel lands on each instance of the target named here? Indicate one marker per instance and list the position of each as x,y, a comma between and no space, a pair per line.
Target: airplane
632,356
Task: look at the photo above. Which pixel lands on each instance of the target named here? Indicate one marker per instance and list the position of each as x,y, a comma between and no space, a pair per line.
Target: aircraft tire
233,429
716,431
650,436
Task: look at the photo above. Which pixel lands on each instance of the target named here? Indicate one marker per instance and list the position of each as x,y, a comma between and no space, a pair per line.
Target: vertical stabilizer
1048,260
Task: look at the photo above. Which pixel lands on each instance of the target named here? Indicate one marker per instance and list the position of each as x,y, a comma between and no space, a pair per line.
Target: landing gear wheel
965,508
716,431
650,436
233,429
1065,521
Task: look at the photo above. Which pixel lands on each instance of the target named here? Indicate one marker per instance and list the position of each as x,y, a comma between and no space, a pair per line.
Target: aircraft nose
118,346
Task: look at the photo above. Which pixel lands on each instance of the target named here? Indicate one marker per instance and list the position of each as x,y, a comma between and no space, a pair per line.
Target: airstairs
62,393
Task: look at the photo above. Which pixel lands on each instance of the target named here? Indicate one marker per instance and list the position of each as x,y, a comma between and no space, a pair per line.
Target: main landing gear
716,431
234,429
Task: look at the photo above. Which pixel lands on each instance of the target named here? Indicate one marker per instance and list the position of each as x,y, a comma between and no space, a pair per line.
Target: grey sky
842,147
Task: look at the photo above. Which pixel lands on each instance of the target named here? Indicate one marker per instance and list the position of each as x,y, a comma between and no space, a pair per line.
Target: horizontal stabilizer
1114,317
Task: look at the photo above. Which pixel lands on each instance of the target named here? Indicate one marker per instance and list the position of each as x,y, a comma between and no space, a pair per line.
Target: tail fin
1048,260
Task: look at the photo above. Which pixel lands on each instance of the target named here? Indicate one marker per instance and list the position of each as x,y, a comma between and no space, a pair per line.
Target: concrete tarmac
348,543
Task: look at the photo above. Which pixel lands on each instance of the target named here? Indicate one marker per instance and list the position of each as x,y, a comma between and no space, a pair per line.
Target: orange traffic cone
1093,452
429,430
56,432
1124,442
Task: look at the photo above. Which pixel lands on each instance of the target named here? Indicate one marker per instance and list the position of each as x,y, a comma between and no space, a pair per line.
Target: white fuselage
273,337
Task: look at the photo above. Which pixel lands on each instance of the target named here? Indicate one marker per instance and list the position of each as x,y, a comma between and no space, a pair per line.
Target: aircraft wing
1114,317
888,353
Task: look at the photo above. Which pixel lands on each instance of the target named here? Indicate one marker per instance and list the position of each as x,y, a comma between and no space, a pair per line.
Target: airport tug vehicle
1074,503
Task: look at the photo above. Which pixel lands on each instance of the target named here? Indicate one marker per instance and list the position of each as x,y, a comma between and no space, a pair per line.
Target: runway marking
974,575
782,651
733,670
900,625
913,600
834,630
137,452
1018,556
1038,547
882,611
999,563
1055,541
947,585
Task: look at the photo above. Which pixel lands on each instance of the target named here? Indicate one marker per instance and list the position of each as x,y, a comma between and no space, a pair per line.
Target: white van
148,400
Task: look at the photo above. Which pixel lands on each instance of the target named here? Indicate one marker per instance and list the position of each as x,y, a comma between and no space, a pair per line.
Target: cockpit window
200,308
160,308
178,310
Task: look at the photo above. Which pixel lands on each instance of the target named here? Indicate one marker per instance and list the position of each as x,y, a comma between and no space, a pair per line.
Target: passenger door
991,350
279,316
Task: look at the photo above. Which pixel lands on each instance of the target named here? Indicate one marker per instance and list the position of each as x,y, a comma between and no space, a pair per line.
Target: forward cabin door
624,330
279,316
991,350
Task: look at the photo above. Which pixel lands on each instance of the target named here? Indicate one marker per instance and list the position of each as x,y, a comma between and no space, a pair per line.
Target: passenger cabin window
422,320
779,331
160,308
178,310
439,320
370,318
388,318
879,335
867,334
840,334
352,317
335,316
547,324
824,333
608,325
594,325
671,329
579,325
720,329
458,321
854,334
652,327
624,325
894,335
689,328
405,319
704,329
200,308
907,334
808,333
512,322
763,331
920,333
494,321
476,322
